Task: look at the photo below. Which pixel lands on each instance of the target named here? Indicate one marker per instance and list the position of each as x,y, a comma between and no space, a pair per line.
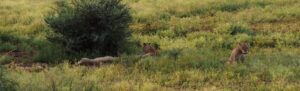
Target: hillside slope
195,38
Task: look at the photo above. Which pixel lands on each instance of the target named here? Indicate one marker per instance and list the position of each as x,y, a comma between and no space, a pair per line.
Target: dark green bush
85,26
5,47
47,52
8,41
9,37
5,59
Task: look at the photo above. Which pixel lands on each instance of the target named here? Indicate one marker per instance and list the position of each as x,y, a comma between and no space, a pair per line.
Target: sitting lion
149,50
239,53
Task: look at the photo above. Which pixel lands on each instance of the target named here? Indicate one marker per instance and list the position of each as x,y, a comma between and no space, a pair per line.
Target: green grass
195,38
268,69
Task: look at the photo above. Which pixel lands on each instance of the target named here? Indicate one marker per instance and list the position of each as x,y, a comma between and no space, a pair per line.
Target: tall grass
22,29
195,39
267,69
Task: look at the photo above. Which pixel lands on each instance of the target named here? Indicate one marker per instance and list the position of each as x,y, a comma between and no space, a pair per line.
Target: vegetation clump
87,26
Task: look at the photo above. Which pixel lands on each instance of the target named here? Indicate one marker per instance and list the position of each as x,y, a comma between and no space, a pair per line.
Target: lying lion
30,67
149,50
96,61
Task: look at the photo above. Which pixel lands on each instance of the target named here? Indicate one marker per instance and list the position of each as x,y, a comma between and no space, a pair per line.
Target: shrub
8,41
9,37
7,47
89,25
48,54
5,59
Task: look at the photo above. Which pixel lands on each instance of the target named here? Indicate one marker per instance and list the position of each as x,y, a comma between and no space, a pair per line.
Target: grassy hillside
195,39
22,29
270,23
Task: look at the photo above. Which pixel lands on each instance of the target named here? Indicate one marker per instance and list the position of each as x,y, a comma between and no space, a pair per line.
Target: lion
239,53
29,67
149,50
96,61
